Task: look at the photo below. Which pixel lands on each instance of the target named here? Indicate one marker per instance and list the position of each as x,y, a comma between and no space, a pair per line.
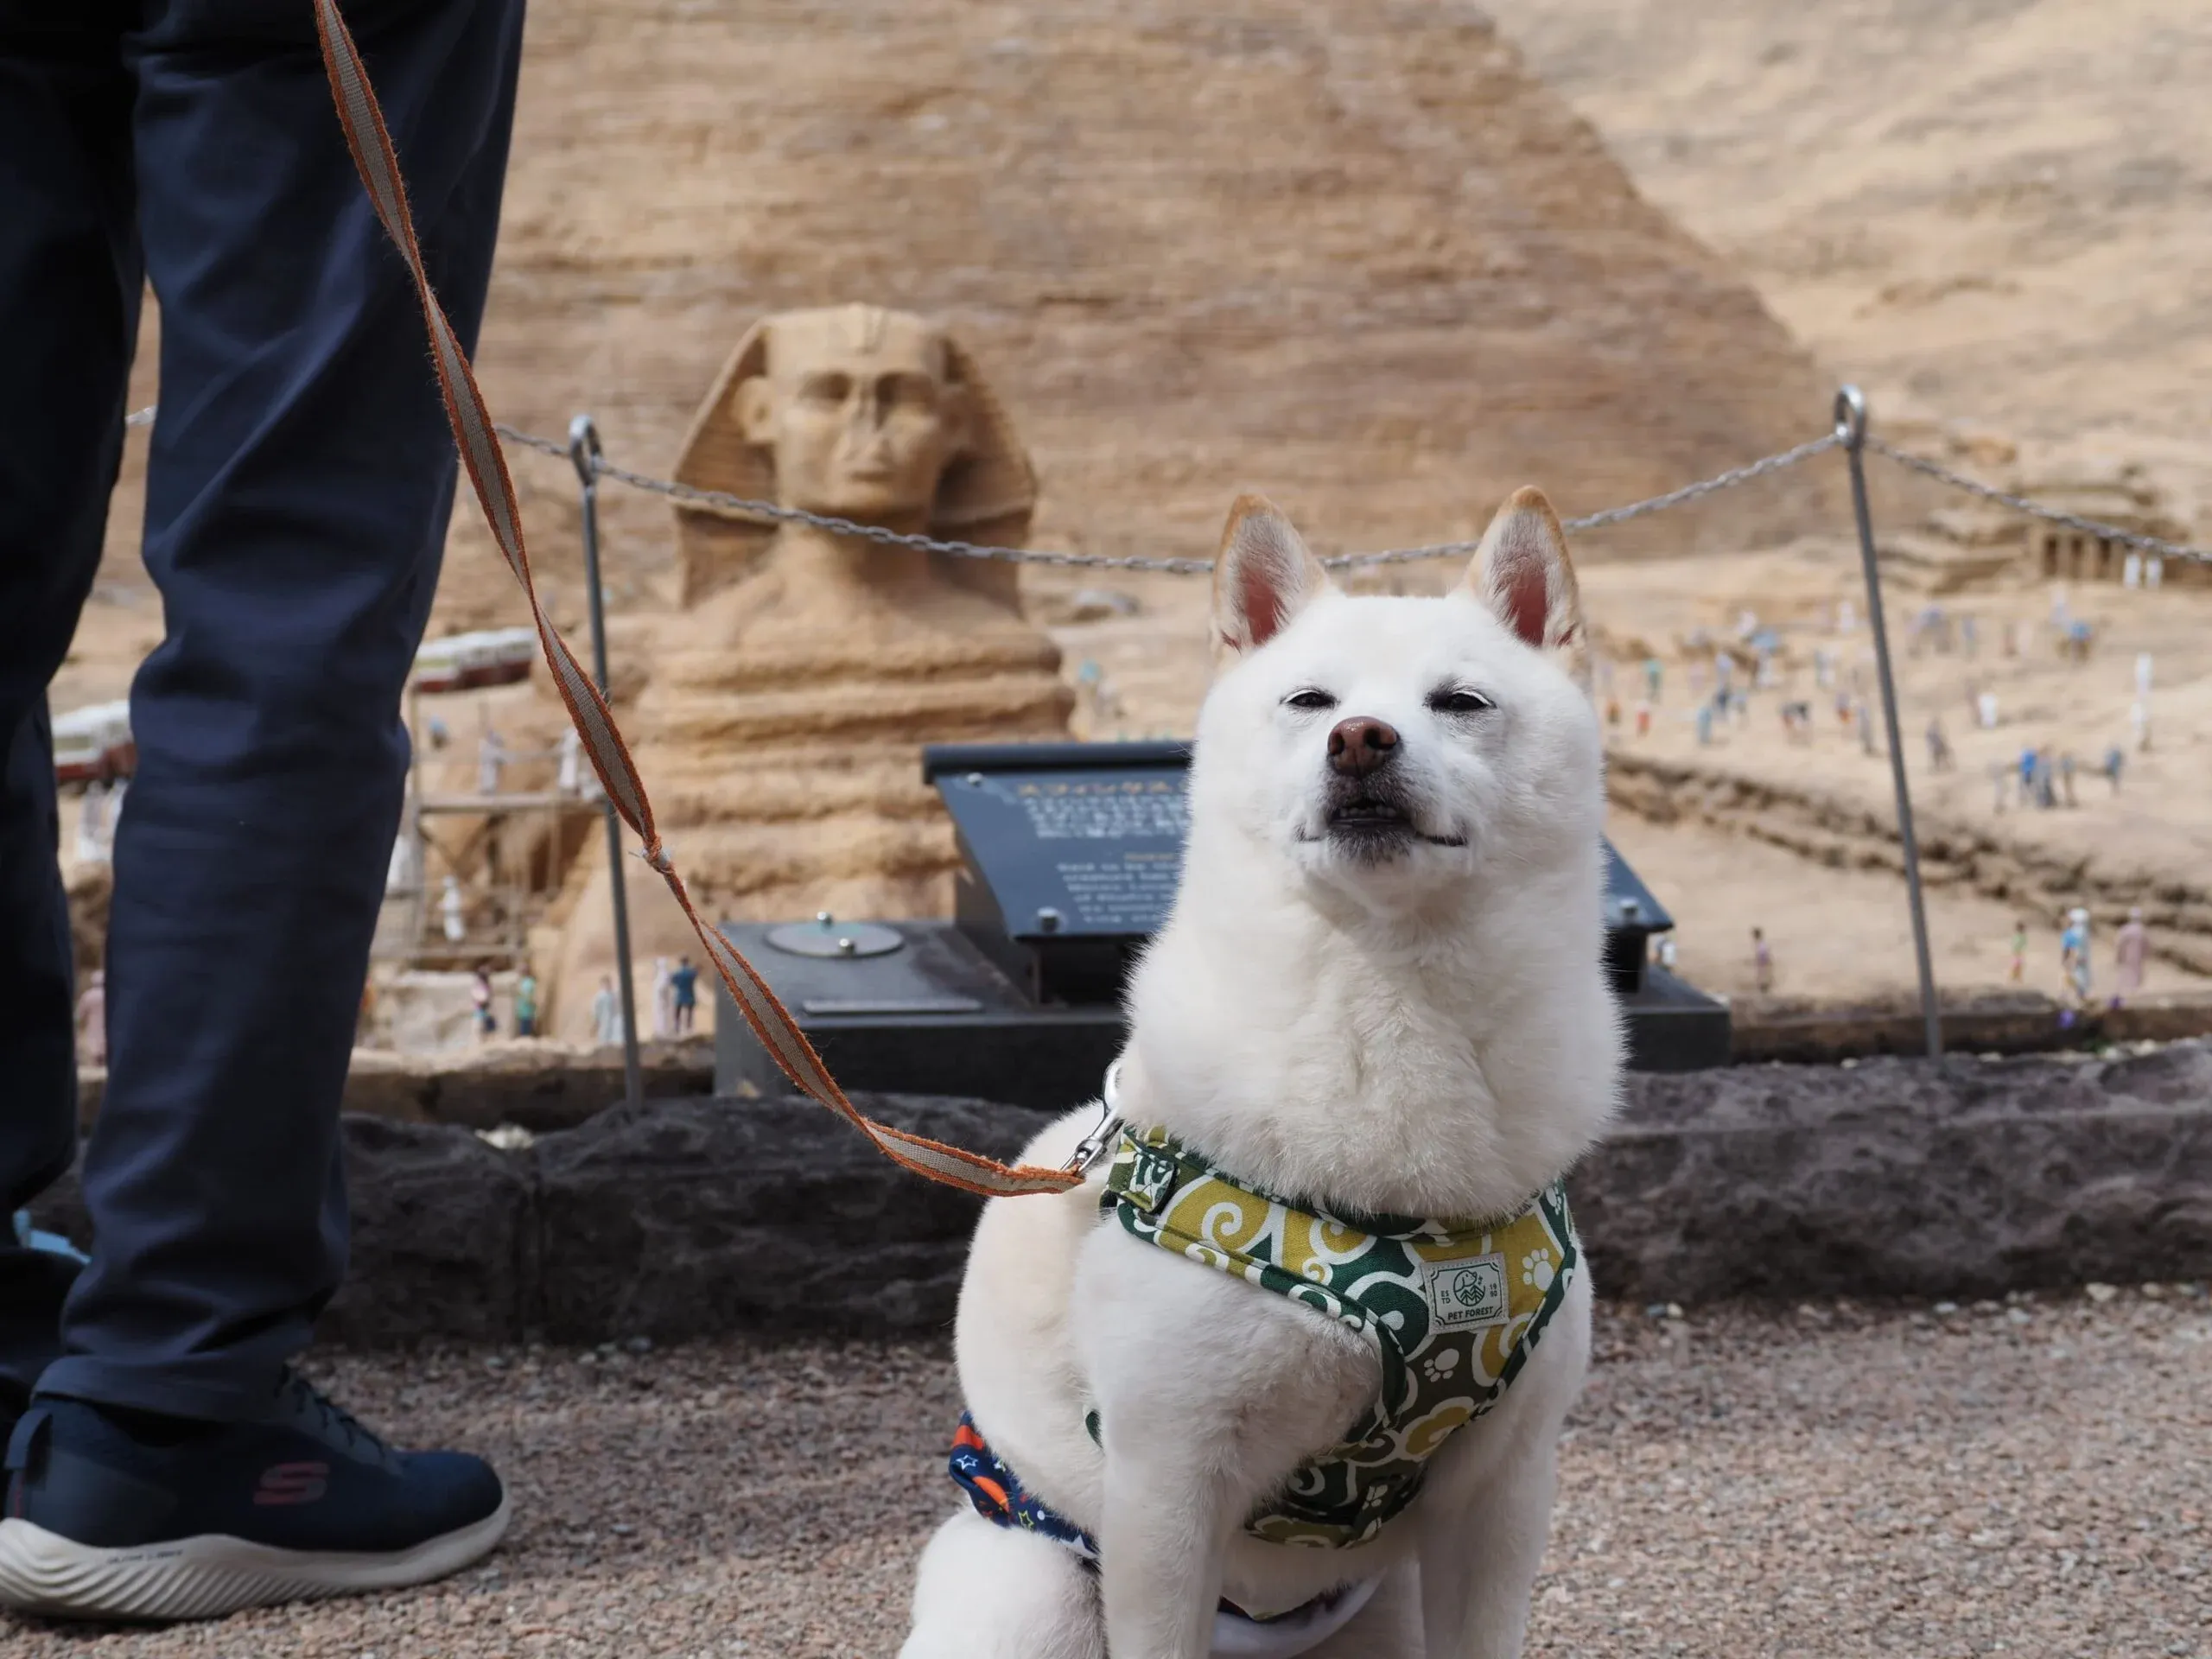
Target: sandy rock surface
1824,1480
1987,212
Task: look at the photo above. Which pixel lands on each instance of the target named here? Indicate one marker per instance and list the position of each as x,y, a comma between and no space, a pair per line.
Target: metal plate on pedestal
827,937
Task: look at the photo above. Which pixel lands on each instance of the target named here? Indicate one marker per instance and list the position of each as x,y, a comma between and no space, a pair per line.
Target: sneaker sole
43,1573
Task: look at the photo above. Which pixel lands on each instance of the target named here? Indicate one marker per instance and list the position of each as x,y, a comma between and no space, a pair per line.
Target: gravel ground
1829,1480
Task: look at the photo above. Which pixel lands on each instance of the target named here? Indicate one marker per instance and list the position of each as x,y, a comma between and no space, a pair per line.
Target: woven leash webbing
480,454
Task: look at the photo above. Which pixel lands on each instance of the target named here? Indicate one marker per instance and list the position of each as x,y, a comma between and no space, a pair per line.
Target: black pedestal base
936,1017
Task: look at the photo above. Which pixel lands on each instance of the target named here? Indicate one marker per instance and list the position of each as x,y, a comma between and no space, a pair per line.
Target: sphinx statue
781,730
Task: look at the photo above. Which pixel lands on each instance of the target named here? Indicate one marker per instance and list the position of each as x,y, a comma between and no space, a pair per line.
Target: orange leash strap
480,454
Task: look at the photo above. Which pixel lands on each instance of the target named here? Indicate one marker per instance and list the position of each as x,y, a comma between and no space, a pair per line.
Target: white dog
1379,995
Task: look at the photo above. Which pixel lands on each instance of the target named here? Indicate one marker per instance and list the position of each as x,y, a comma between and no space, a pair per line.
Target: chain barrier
2033,509
777,512
1689,492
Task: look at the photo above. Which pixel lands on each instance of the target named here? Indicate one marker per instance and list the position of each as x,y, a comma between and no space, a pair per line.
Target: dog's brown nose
1360,745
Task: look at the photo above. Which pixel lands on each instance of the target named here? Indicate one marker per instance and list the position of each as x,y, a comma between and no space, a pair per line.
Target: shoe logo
292,1482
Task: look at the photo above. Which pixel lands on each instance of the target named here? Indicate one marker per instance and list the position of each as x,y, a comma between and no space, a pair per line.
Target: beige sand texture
1992,211
1354,255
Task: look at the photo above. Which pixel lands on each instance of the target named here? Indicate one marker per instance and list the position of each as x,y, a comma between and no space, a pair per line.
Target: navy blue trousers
299,485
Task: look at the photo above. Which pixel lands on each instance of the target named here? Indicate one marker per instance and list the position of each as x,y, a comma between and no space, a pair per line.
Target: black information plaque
1066,853
1069,854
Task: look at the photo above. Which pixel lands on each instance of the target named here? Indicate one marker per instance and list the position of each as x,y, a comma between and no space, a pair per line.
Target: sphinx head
860,410
856,412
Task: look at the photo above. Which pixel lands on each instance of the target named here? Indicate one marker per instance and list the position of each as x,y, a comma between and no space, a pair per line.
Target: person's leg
69,287
169,1464
297,495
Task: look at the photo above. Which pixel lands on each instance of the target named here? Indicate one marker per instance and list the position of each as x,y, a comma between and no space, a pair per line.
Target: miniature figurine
2131,947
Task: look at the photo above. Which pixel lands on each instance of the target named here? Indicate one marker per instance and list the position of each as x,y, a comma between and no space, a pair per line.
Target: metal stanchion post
1851,427
584,453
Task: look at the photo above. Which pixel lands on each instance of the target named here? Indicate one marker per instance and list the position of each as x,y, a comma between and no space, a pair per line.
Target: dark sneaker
115,1514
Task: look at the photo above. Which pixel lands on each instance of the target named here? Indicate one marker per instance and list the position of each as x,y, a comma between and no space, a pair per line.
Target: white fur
1426,1029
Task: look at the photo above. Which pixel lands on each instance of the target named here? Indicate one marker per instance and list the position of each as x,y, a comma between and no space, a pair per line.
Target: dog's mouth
1366,816
1372,823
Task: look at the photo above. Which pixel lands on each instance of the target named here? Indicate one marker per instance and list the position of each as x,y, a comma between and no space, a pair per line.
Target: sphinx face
862,414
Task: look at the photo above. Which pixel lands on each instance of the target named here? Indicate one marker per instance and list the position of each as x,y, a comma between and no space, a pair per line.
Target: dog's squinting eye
1309,698
1459,701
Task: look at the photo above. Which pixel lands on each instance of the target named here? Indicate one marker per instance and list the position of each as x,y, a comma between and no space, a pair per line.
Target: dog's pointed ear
1522,572
1263,577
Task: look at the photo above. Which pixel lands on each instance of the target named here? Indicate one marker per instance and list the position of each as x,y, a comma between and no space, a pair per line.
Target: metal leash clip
1092,1146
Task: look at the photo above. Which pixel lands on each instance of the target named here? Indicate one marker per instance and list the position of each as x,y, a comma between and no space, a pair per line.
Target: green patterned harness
1453,1309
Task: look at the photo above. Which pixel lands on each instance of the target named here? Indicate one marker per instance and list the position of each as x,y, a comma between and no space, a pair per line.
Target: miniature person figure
1704,725
2066,777
1613,713
1762,961
2115,759
1969,635
684,983
2131,571
91,1020
1865,724
2142,673
449,909
527,1004
1939,747
607,1013
2129,950
2154,572
1666,951
480,995
2027,774
1643,719
92,825
1652,673
2046,779
2020,952
491,761
1986,706
2139,720
569,778
663,997
2074,956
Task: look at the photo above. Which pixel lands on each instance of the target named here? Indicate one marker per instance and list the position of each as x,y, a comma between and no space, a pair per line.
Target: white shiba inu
1379,995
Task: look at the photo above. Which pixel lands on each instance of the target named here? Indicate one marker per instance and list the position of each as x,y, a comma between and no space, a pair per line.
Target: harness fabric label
1468,1292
